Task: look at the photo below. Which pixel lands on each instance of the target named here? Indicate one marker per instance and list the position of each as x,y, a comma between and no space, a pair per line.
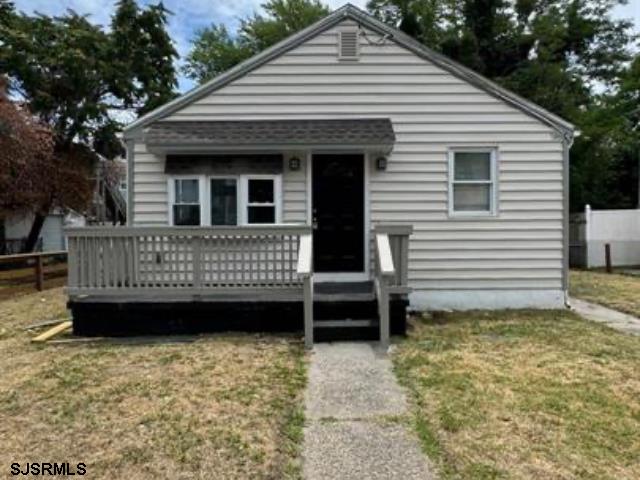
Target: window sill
467,216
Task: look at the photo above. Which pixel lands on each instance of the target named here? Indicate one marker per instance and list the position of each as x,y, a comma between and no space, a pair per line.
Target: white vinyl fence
590,231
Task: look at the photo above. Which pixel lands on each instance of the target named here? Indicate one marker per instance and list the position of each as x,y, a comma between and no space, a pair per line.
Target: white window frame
492,182
242,185
277,197
172,195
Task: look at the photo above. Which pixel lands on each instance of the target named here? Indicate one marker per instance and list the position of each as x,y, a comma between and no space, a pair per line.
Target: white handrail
182,231
385,259
305,255
305,270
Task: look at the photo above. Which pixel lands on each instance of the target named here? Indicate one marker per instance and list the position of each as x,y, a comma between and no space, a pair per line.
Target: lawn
224,406
620,292
524,395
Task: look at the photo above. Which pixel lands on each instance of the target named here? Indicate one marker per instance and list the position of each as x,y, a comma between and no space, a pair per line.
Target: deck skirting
98,316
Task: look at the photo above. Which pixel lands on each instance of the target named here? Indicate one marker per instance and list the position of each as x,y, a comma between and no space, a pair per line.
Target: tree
24,145
31,172
145,55
215,50
77,77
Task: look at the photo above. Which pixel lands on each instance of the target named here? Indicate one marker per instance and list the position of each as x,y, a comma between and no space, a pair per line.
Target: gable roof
349,11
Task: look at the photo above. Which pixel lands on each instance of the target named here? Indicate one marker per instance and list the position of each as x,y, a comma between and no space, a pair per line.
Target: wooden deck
272,264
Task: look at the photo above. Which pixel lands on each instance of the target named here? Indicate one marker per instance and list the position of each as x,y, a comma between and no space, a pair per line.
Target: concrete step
346,323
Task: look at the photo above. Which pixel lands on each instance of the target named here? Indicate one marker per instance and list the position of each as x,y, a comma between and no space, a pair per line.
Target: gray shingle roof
346,132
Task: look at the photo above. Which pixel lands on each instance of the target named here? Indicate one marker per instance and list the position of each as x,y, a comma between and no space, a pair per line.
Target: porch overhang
361,134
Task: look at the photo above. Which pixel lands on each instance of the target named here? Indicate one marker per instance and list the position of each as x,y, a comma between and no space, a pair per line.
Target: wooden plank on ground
58,329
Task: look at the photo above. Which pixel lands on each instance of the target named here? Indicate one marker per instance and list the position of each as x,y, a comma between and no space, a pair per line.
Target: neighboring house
396,164
107,206
109,200
52,239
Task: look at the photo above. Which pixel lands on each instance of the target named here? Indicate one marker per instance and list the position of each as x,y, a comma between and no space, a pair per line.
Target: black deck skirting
92,317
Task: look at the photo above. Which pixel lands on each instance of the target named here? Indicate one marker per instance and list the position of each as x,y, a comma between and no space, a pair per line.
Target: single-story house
328,183
15,229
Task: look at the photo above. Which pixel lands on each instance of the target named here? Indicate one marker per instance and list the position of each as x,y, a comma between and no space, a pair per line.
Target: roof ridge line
564,127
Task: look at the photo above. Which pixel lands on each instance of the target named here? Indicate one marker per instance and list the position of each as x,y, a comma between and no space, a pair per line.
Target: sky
191,15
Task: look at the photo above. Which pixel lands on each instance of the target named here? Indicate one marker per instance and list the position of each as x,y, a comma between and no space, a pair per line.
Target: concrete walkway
612,318
353,408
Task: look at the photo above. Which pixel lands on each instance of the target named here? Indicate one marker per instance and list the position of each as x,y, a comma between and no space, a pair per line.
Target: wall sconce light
294,163
381,163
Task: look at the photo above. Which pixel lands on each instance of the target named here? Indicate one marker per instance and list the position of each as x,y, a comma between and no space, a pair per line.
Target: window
186,201
472,182
236,200
224,201
261,206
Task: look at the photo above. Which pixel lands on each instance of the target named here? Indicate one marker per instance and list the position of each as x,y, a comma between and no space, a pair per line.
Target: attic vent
348,45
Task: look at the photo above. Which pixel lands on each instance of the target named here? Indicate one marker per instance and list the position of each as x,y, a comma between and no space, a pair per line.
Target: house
108,205
338,177
15,229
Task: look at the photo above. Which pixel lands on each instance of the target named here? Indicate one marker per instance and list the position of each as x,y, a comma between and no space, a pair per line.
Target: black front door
338,213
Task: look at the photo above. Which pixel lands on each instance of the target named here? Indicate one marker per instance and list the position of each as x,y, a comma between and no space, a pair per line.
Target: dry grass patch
22,281
620,292
216,407
524,395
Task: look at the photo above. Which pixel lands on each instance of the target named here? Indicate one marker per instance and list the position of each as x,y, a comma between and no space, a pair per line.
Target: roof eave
204,149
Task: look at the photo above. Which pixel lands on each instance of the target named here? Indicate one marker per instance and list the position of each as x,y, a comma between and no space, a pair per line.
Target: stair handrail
305,271
391,270
385,272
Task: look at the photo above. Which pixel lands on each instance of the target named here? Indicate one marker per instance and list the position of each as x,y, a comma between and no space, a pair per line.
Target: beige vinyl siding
431,111
294,191
149,188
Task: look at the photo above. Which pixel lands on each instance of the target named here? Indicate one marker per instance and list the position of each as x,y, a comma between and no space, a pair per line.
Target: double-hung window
472,182
260,205
186,201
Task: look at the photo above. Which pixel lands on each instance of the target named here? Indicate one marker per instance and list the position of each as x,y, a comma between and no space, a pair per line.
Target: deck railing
198,260
391,270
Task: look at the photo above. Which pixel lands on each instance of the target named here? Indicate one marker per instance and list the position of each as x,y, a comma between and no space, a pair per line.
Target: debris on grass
52,332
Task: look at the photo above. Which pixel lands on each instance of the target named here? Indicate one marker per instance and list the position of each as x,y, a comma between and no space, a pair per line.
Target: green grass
524,395
620,292
223,406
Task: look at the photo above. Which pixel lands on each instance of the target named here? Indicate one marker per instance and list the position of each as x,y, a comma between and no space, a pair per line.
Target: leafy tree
24,144
78,78
7,10
145,55
31,172
215,50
